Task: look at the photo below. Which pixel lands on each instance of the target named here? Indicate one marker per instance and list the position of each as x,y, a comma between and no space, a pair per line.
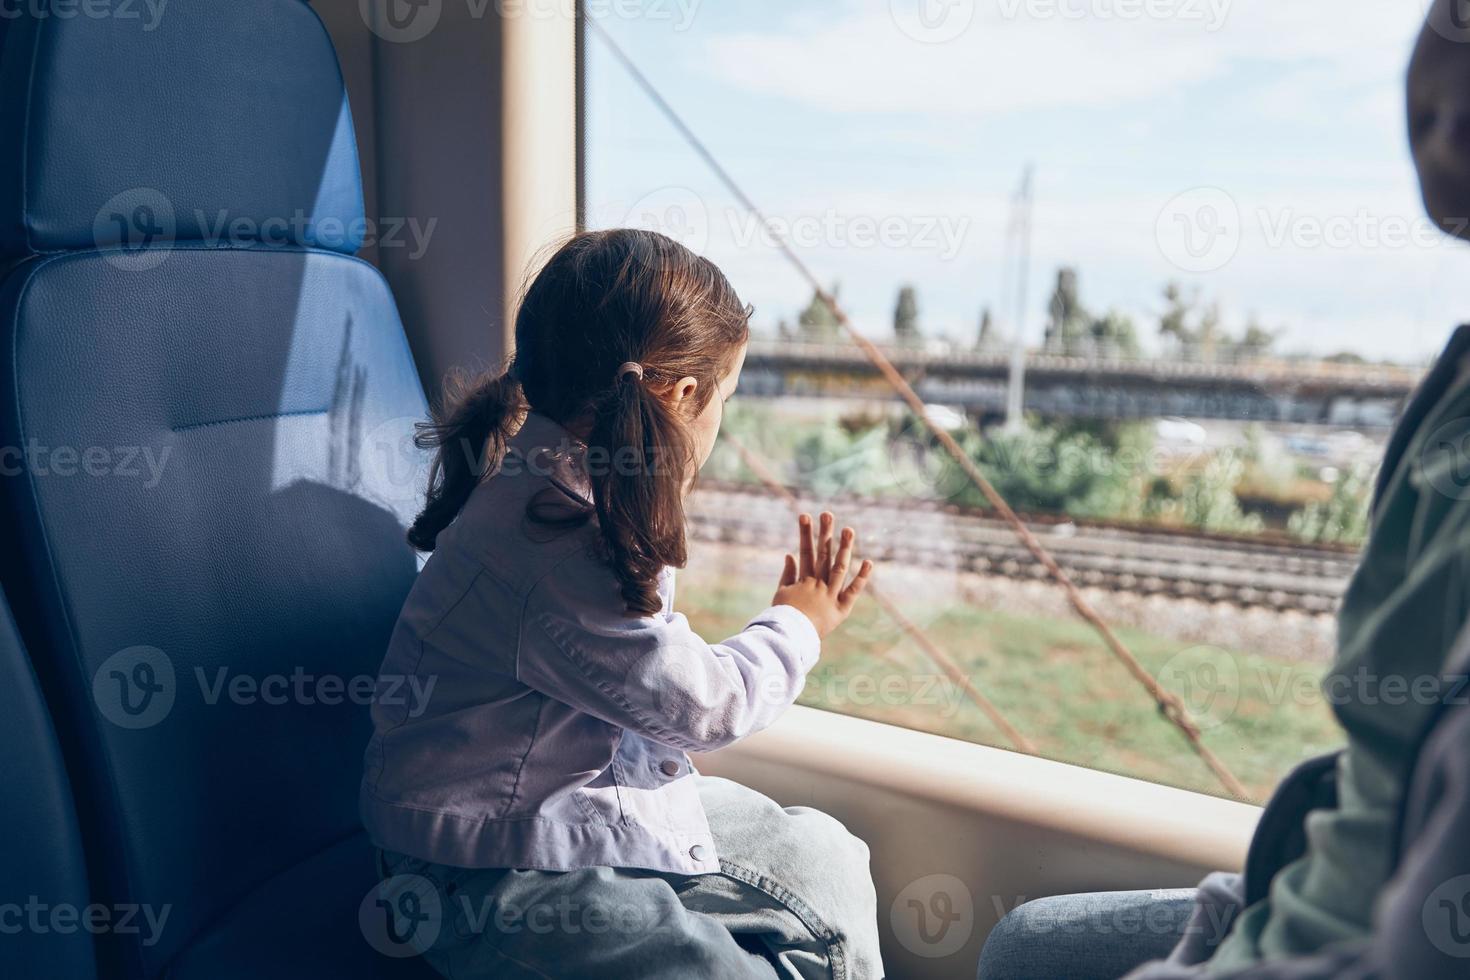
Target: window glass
1201,221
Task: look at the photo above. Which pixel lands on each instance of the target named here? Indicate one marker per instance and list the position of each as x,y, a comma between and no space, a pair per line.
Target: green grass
1056,682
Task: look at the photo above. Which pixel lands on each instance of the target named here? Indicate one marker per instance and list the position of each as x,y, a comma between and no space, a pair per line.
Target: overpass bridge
1264,390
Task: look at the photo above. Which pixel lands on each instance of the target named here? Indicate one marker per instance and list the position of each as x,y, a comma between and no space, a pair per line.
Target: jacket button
698,852
669,767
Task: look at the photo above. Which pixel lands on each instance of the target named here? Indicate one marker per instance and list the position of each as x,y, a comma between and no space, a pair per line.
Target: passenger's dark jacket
1420,924
1422,919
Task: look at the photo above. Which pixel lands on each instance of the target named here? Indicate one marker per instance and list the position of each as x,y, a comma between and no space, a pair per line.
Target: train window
1158,279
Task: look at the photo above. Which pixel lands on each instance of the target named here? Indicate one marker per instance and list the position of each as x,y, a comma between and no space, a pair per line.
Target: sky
1253,150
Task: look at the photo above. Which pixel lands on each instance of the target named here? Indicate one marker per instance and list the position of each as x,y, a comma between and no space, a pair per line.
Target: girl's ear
683,389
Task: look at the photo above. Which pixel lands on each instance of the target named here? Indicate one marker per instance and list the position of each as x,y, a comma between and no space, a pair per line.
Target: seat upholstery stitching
250,418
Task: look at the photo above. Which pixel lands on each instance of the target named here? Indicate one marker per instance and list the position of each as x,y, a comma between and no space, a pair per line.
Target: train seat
214,402
44,869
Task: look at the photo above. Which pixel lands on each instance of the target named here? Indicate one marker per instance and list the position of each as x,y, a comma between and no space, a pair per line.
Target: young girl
539,817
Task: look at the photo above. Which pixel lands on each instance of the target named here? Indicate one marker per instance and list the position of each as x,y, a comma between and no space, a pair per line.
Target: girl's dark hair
604,298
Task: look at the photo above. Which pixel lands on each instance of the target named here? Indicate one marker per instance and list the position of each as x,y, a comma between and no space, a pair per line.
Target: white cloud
1302,106
860,61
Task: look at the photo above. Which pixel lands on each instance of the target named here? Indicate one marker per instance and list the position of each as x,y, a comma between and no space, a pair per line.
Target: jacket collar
547,449
1439,380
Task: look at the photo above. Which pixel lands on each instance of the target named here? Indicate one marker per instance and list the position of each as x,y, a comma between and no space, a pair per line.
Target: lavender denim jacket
555,734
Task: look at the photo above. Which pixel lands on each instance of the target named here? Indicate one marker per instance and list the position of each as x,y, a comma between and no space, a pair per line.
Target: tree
1114,335
818,322
1067,322
1209,334
1257,341
1072,330
1204,337
1174,323
987,340
906,317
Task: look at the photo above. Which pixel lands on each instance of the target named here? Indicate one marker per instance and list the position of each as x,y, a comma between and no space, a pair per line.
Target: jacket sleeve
653,674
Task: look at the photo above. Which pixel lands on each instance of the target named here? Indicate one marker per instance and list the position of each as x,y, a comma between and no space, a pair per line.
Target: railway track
1244,573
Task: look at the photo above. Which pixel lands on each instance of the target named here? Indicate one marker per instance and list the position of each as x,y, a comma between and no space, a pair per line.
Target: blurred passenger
1361,864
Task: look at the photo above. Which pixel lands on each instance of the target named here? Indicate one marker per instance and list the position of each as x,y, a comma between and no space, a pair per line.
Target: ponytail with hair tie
469,435
640,499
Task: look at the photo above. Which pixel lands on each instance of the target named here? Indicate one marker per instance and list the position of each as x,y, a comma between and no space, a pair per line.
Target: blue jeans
1098,936
793,900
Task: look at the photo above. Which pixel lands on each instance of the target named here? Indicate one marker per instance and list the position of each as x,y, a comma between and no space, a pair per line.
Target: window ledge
1178,826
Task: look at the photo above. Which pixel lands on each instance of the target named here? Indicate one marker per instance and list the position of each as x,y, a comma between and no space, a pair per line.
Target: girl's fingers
846,542
849,595
824,548
807,548
788,571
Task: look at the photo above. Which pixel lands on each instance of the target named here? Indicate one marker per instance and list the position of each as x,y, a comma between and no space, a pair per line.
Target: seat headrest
218,123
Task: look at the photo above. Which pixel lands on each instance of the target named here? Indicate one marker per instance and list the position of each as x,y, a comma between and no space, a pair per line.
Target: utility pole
1017,275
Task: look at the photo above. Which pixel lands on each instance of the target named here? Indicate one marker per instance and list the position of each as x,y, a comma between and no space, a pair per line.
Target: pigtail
469,436
638,484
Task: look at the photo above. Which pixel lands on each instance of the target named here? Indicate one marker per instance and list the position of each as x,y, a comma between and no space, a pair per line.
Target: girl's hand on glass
816,583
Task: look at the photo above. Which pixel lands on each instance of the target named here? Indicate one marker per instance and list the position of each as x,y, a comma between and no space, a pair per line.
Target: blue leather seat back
220,111
42,868
216,403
